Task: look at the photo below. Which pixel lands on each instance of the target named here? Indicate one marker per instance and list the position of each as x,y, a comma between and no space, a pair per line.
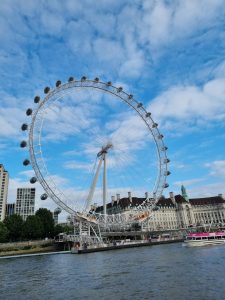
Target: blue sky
169,54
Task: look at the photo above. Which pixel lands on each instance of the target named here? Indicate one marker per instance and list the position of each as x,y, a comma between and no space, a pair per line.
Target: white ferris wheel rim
35,130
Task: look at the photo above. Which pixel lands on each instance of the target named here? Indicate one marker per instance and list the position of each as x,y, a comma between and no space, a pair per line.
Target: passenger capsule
96,79
29,112
44,196
166,160
71,79
148,114
155,208
46,89
33,180
160,136
166,185
23,144
83,78
24,127
26,162
139,105
109,83
167,173
57,210
36,99
154,125
58,83
164,148
130,96
119,89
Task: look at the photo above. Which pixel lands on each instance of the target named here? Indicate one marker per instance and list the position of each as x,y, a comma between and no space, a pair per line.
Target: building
175,212
10,209
25,202
4,182
56,213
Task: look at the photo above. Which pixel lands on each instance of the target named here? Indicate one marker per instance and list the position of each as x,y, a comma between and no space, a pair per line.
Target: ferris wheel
37,160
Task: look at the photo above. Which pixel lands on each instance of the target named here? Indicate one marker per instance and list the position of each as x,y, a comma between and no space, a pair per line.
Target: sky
169,54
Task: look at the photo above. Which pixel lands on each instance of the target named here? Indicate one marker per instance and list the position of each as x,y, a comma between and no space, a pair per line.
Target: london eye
110,132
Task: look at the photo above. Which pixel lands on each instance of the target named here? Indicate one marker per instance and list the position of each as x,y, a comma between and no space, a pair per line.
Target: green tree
14,224
46,218
58,229
67,229
32,228
4,233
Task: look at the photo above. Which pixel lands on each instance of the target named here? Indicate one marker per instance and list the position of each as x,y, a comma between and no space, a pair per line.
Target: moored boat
204,239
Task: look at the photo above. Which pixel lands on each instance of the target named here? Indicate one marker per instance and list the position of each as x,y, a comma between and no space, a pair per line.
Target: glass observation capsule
58,83
24,127
29,112
46,89
33,180
37,99
23,144
44,196
71,79
26,162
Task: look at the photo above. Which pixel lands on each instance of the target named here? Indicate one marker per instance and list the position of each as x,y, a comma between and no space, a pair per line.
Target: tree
32,228
67,229
58,229
4,233
47,221
14,224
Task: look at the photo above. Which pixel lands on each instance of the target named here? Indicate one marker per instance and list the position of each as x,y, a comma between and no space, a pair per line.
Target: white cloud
164,23
28,173
193,15
158,20
217,168
108,50
80,34
188,182
219,71
74,165
53,23
207,190
177,165
190,104
11,120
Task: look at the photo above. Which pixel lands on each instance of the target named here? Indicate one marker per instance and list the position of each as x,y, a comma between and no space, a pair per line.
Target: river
158,272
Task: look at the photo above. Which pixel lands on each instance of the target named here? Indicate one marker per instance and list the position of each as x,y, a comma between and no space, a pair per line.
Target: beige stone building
175,212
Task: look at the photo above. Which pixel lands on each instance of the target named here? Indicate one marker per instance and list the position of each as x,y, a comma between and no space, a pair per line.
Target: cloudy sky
169,54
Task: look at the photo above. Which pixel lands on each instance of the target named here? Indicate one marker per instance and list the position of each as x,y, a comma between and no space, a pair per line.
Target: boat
205,239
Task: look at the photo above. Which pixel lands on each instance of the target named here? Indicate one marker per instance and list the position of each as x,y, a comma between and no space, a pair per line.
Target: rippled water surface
157,272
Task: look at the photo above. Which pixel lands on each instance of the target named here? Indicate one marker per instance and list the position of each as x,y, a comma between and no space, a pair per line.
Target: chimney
130,197
118,198
94,206
113,199
172,197
146,195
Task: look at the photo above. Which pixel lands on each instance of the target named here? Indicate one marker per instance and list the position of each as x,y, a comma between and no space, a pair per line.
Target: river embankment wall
25,247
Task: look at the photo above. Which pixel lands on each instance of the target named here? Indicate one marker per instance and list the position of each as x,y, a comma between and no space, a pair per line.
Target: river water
158,272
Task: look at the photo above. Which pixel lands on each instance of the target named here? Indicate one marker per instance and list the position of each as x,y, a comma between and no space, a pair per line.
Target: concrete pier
117,246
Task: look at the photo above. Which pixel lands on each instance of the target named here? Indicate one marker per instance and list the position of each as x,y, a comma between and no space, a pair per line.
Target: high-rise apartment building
25,202
56,213
10,209
4,181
